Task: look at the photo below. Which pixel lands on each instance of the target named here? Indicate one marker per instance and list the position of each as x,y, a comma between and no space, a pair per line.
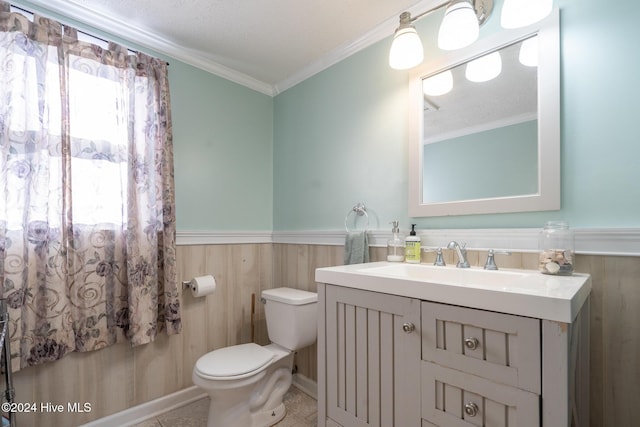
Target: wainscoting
120,377
615,317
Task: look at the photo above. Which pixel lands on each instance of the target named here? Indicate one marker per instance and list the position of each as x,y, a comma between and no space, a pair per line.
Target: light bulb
406,49
529,52
439,84
485,68
520,13
459,26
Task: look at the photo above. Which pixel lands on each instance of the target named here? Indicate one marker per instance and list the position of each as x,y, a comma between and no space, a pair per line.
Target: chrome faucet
491,263
462,254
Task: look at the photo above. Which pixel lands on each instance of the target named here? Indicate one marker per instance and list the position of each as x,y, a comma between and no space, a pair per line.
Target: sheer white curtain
87,223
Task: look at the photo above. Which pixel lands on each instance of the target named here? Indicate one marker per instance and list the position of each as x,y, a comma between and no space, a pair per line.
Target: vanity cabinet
389,360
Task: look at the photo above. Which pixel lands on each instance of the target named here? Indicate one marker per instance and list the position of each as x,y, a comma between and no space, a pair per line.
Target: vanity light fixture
406,50
459,28
520,13
485,68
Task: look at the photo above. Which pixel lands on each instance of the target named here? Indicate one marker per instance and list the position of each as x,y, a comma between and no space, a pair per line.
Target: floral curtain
87,222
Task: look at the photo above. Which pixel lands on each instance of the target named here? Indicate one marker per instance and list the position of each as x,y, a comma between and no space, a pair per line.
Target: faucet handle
439,258
491,263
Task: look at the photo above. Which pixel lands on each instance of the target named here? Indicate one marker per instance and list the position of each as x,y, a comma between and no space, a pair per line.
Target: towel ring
360,210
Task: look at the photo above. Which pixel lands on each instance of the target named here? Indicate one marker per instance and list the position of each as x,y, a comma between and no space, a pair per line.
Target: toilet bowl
246,382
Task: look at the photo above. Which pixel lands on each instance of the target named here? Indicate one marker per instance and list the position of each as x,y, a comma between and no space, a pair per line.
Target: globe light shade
520,13
459,26
528,55
406,49
485,68
438,84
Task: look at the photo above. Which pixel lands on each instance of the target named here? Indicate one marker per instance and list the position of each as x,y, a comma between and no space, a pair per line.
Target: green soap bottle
412,247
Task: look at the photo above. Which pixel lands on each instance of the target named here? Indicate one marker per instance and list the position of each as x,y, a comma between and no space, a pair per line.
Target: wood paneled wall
121,377
615,317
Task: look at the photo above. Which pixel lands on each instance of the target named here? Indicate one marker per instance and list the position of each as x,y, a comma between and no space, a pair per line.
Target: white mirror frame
548,195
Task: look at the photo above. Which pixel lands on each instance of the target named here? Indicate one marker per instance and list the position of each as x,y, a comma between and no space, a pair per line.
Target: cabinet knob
471,343
471,409
408,327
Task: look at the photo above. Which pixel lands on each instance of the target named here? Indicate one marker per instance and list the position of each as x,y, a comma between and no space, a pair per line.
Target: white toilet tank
291,317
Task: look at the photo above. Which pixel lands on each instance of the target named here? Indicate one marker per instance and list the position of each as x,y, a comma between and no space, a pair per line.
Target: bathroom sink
520,292
451,275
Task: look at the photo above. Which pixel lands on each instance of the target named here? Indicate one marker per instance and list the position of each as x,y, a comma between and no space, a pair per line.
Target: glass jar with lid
556,248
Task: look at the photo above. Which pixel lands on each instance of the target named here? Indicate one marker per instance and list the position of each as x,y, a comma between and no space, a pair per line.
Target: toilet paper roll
203,285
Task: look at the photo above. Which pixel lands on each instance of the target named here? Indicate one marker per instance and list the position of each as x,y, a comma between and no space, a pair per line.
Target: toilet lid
234,360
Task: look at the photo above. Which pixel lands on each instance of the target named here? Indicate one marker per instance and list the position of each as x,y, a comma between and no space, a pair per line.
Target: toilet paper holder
188,284
200,286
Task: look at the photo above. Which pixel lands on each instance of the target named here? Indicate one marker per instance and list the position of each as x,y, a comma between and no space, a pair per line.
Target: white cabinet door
372,358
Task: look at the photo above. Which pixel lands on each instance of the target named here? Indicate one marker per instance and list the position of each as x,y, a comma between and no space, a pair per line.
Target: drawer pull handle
471,343
408,327
471,409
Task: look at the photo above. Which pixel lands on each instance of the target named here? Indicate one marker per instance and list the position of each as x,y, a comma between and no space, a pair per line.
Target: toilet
246,382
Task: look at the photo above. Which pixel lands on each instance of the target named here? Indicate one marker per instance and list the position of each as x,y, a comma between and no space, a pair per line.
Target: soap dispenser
395,245
412,247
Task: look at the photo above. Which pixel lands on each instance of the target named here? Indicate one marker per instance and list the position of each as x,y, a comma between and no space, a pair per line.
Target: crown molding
340,53
378,33
148,40
158,43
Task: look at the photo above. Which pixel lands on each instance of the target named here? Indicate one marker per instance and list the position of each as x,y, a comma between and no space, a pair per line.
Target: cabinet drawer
458,399
500,347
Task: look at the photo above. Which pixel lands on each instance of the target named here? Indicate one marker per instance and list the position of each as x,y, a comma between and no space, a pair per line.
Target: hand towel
356,248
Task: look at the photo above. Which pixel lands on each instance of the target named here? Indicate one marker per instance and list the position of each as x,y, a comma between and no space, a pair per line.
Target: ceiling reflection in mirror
480,127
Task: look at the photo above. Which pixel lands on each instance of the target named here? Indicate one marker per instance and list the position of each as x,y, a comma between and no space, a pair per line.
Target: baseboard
306,384
147,410
153,408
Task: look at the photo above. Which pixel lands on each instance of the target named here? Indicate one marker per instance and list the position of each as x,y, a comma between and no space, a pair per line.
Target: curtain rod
80,31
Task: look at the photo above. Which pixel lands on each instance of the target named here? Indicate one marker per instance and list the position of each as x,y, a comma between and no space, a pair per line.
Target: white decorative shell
552,267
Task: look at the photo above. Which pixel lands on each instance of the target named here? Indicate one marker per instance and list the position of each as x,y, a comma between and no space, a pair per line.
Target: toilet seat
233,362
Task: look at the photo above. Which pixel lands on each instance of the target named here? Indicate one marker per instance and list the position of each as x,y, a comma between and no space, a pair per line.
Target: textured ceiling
269,41
510,98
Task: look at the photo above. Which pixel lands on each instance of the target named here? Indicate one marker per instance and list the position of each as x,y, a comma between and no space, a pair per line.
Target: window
87,222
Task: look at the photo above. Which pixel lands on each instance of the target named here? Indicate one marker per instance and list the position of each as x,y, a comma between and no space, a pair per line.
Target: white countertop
521,292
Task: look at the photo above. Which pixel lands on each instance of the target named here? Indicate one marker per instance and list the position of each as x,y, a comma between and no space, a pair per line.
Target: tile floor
302,411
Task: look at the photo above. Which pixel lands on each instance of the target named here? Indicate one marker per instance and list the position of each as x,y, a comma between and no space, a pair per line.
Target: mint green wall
245,161
341,136
509,151
223,152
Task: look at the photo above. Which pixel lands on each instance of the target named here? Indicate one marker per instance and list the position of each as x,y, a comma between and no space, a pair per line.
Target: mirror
490,143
